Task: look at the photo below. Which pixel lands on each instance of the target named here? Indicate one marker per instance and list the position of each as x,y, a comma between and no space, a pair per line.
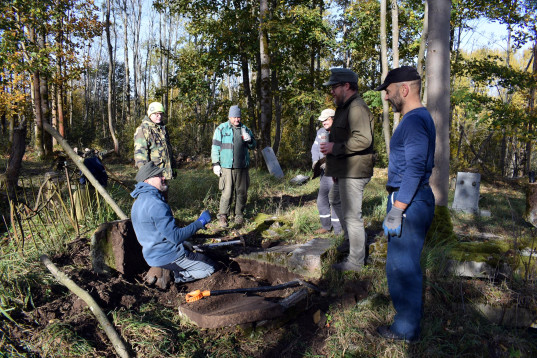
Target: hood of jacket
142,188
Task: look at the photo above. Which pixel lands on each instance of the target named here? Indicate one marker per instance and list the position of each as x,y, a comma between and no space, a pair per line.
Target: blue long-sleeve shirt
412,153
155,227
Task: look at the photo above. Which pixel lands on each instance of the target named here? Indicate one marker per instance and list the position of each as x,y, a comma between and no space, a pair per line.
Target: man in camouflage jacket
152,143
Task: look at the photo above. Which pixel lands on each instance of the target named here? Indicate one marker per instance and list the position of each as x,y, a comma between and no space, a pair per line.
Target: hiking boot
321,231
222,221
239,220
347,266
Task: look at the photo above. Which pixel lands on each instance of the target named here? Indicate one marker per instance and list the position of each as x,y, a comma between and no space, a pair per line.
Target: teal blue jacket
222,148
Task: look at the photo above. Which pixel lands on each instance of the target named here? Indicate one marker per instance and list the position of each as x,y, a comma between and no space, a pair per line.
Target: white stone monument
467,192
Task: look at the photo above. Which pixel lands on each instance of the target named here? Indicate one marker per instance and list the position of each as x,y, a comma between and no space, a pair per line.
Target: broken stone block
467,192
507,316
477,269
114,247
221,311
302,259
300,179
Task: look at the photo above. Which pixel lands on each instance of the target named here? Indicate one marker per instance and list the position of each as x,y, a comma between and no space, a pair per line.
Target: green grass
450,326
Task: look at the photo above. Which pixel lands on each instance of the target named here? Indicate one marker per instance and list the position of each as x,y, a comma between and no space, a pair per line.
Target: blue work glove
393,222
205,218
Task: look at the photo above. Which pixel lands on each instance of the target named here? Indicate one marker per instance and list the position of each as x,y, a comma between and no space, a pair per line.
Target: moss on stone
493,253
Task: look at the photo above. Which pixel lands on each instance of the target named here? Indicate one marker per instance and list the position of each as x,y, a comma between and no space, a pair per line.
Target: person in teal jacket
231,159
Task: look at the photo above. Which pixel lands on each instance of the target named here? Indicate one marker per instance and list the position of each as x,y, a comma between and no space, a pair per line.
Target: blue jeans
192,266
403,268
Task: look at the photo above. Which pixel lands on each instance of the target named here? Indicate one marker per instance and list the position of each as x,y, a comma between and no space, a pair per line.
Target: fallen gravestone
303,259
272,163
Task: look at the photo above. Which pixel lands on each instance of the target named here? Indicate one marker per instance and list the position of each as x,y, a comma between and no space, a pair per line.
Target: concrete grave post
272,163
467,192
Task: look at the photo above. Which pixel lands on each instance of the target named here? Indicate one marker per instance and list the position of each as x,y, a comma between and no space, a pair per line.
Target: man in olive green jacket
349,160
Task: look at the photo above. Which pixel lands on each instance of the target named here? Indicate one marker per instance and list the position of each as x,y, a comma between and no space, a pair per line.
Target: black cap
401,74
341,75
148,170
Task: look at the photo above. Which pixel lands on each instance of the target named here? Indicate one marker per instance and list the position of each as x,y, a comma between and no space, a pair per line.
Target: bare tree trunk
395,49
423,42
384,64
248,91
137,7
127,85
110,81
14,163
531,109
38,115
45,106
277,112
266,97
438,89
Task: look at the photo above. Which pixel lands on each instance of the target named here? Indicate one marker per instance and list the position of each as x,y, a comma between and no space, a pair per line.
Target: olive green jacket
352,134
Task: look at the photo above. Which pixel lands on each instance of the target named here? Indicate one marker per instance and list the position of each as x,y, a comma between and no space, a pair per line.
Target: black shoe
385,332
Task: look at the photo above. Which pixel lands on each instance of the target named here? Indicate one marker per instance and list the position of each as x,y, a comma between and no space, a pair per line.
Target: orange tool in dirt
198,294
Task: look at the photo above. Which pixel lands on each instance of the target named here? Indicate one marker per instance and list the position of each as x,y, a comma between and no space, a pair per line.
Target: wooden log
114,337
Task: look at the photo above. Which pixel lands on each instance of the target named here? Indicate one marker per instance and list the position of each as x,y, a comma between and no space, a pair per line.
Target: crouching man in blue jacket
161,239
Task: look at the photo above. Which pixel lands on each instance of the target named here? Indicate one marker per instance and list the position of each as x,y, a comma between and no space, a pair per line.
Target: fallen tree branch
80,164
114,337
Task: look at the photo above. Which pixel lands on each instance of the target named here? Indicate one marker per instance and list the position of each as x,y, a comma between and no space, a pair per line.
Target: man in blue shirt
411,202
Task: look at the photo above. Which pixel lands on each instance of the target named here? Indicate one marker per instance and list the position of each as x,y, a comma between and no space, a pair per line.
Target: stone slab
467,192
302,259
114,247
226,312
476,269
272,162
507,316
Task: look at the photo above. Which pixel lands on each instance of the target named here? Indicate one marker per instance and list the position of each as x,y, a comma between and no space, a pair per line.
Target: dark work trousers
403,268
234,184
328,216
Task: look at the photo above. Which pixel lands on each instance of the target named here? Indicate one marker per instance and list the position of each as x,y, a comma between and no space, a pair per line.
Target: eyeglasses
337,85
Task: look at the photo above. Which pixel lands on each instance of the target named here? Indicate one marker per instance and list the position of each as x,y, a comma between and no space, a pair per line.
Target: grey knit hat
234,111
148,170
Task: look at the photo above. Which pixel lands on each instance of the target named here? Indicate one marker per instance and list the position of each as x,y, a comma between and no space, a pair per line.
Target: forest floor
42,318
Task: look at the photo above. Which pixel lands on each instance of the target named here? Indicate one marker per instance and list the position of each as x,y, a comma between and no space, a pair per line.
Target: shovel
198,294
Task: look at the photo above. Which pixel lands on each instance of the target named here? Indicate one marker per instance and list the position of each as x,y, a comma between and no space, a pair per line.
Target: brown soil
54,303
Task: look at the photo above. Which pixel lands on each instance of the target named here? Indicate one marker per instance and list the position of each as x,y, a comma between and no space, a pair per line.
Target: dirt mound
54,303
